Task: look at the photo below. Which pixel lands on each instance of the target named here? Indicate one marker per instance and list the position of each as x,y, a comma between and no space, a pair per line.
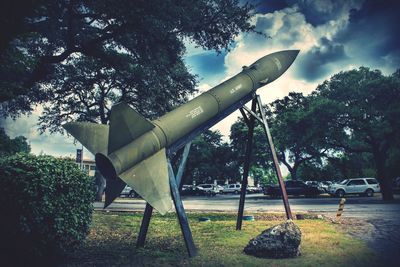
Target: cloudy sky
333,35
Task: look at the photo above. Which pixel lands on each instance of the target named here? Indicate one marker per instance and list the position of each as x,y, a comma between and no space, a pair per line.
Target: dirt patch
382,235
354,226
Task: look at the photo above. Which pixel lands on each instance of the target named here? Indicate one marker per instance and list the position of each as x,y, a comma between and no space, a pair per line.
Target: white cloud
50,144
204,87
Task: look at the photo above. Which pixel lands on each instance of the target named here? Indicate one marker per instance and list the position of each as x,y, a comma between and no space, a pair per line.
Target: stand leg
183,221
246,167
144,227
275,158
182,164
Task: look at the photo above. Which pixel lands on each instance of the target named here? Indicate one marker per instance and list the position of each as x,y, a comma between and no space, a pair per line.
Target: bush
46,207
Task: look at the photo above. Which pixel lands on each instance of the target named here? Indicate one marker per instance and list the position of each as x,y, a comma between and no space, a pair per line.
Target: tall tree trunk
386,185
100,184
293,171
386,189
293,175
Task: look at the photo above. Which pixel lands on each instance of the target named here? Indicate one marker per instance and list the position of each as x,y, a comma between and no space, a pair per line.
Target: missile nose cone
290,55
270,67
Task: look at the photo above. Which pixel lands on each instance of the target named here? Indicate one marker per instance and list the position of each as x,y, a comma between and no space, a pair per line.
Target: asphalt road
360,207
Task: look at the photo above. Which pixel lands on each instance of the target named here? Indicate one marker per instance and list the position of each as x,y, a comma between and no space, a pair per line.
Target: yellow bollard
341,207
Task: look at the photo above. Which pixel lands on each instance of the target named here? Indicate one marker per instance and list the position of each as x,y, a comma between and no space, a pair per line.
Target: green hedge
46,207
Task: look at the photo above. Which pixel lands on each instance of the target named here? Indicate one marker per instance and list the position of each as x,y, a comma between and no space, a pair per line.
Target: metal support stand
180,211
275,158
183,221
250,123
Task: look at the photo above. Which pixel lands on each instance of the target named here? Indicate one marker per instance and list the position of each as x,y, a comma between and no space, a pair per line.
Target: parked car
190,190
324,185
220,189
128,192
232,188
397,182
362,186
208,189
296,188
253,189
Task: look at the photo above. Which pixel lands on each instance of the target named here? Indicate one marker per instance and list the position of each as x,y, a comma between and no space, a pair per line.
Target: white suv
232,188
365,186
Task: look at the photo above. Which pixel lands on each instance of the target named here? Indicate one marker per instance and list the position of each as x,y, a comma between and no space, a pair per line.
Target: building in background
88,166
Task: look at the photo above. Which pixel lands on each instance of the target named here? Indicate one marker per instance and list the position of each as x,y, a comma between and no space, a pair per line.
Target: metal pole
182,164
246,166
275,159
174,182
180,211
144,227
82,158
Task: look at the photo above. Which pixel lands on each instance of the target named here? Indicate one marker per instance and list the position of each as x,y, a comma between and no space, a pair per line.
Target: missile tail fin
150,180
113,190
126,124
93,136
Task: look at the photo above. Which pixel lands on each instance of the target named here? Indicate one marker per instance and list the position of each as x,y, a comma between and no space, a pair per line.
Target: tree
144,40
367,114
79,57
339,167
209,159
10,146
88,91
296,124
260,160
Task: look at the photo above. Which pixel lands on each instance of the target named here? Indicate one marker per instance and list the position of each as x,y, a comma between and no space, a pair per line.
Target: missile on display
133,150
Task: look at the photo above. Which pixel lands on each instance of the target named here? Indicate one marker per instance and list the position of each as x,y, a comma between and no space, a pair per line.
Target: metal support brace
250,122
275,159
144,227
180,211
246,166
183,221
182,164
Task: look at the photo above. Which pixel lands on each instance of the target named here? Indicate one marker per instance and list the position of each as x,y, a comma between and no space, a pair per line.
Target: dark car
128,192
191,190
295,188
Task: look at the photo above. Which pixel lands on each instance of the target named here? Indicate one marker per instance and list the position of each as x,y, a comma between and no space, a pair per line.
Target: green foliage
96,53
264,176
46,207
367,115
297,126
210,159
10,146
261,160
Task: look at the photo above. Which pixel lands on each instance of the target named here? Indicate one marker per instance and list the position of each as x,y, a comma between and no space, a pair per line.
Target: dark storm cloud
268,6
373,31
318,12
320,60
368,38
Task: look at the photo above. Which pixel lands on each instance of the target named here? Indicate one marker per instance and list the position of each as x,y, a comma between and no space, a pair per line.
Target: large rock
280,241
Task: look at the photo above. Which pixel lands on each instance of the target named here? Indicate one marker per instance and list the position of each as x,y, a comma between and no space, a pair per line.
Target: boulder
280,241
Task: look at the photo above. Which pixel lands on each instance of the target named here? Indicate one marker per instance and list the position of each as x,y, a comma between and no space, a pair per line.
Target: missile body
136,147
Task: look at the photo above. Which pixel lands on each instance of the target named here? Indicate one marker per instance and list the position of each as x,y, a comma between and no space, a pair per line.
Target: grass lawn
112,239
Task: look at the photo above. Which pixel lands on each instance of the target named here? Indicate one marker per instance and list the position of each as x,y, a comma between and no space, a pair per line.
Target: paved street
377,222
361,207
